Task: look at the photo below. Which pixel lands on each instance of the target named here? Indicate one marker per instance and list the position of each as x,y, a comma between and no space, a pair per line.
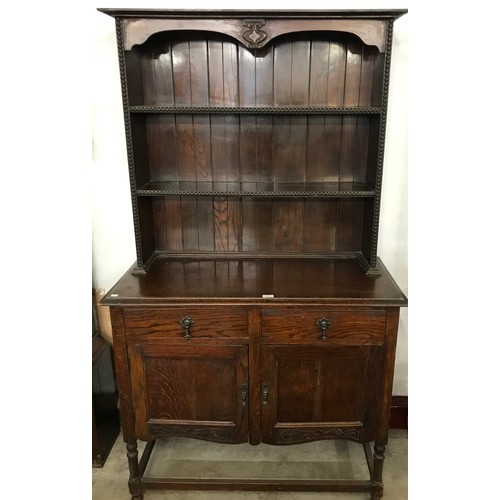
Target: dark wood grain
211,151
320,213
127,417
299,95
189,389
324,385
264,96
290,280
254,382
389,358
198,64
318,159
248,142
349,224
231,122
363,126
177,387
315,382
242,13
366,75
166,322
245,31
300,325
138,384
288,226
136,84
257,484
185,141
255,145
157,78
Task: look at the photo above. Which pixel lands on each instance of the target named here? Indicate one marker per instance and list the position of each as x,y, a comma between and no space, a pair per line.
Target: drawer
342,327
206,322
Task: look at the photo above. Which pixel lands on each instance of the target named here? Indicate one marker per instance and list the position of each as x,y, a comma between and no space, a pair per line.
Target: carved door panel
195,390
320,392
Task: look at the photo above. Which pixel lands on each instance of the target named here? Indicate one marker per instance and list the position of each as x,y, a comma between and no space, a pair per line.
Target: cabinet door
199,391
320,392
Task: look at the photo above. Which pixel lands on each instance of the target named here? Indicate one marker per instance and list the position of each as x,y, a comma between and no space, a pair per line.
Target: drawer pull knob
323,324
187,323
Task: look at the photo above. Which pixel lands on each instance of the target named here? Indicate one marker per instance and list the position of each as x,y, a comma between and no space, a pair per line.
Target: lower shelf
258,189
344,466
347,485
111,480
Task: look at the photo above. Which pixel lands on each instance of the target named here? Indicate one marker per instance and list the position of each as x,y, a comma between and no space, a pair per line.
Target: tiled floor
191,458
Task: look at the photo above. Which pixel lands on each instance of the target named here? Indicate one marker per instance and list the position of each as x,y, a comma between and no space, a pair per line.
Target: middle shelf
258,110
261,189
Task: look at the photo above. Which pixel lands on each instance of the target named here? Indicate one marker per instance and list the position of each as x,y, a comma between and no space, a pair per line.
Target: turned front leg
382,435
377,489
134,482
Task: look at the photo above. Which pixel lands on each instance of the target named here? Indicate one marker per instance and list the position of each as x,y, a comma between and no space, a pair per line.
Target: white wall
393,232
113,245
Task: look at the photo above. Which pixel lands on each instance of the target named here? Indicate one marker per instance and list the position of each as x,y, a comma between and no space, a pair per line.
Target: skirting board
399,412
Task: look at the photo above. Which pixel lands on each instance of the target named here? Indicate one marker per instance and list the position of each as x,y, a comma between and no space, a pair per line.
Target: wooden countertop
246,281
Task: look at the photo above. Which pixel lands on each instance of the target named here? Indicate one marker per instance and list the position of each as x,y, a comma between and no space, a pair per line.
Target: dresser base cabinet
232,369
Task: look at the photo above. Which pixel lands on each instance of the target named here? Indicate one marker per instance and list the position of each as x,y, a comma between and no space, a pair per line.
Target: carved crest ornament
255,36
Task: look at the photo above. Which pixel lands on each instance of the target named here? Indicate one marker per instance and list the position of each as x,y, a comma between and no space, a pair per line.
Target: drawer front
187,322
319,325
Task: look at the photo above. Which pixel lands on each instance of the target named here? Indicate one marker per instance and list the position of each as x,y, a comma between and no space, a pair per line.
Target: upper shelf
267,110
